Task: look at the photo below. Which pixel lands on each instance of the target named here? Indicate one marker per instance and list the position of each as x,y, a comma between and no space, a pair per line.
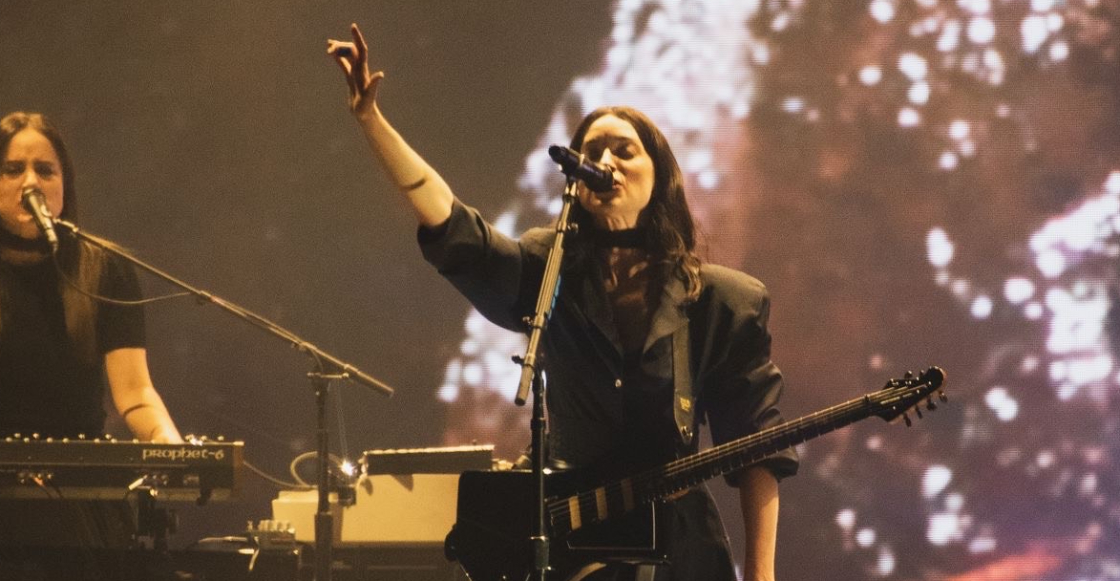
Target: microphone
575,165
36,205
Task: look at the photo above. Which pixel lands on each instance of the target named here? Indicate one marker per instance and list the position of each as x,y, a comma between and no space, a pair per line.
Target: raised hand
352,57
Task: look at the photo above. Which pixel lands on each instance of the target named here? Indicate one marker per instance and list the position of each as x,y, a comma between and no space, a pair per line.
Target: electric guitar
593,520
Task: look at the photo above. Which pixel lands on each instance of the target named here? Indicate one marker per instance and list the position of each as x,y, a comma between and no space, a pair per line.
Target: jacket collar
669,316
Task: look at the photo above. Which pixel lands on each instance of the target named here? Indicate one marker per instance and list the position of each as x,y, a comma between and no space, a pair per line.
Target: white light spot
761,54
919,93
1089,370
1042,5
1088,484
875,443
448,393
885,564
981,307
793,105
1018,290
865,538
1054,22
943,528
1059,51
982,544
981,30
976,6
1033,311
959,129
1033,32
913,66
950,36
506,222
870,75
954,503
882,10
472,374
1112,184
939,248
780,22
947,161
708,180
1045,459
908,117
846,519
1001,402
934,481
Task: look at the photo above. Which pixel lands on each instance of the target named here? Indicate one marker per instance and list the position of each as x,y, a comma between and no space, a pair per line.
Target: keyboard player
58,345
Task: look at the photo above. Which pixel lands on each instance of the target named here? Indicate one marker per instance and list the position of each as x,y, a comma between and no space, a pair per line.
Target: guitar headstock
899,396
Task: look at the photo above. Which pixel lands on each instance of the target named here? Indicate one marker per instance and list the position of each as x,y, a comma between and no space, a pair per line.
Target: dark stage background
917,181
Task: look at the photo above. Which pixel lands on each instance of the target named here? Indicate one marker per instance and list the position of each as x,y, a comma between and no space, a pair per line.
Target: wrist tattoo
138,406
415,185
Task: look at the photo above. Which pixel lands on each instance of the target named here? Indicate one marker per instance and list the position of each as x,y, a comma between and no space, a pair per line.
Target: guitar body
494,525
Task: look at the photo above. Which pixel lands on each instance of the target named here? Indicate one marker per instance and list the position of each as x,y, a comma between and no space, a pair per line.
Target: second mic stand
327,367
532,377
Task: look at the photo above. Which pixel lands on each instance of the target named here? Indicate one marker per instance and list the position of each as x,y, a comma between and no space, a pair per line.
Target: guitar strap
683,400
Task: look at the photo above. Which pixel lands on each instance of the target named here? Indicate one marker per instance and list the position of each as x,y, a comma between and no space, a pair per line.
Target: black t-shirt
45,385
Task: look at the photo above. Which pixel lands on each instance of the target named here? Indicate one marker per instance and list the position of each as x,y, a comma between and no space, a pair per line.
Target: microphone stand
326,368
532,377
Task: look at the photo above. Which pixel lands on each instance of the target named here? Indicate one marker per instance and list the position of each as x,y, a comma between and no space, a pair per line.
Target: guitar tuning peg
930,405
918,411
941,396
908,374
906,418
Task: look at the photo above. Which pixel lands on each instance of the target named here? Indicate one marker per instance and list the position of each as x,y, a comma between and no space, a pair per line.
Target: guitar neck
664,481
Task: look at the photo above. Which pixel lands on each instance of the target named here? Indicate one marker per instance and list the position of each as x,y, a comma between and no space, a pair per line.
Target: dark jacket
609,407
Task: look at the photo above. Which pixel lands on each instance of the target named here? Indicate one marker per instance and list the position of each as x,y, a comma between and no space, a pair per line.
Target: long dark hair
81,263
667,221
